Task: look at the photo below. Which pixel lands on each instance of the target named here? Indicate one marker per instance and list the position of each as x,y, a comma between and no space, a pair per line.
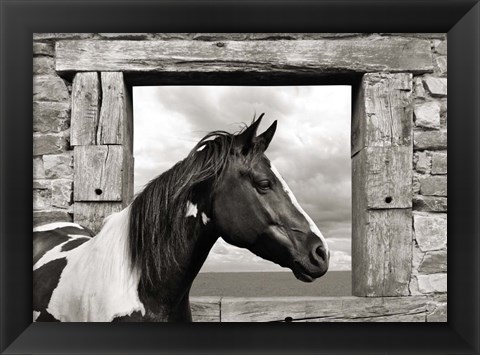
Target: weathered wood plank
382,178
102,172
383,112
326,309
382,185
92,214
205,309
99,172
365,54
115,125
262,309
128,173
397,318
85,109
381,252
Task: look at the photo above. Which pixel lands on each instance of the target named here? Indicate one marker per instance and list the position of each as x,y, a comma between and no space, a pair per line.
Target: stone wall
52,156
429,274
53,159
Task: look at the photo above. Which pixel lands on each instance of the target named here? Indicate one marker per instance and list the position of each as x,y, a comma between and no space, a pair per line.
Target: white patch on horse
77,236
201,148
191,210
35,315
98,283
56,252
51,226
205,219
313,226
53,254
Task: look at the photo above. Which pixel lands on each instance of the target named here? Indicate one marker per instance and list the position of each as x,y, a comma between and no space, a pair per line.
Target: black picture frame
19,19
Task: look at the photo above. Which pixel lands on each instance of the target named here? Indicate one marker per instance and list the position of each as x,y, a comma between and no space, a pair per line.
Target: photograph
182,165
243,201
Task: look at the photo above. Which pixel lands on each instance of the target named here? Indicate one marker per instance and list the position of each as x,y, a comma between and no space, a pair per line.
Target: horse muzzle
312,267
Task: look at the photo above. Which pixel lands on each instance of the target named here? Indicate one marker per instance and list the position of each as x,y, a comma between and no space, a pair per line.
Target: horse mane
157,223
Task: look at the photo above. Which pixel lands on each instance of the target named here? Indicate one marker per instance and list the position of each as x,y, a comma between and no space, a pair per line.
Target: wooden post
86,95
115,125
99,172
102,136
382,186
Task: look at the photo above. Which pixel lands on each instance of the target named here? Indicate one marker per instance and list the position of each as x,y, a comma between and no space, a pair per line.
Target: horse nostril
321,252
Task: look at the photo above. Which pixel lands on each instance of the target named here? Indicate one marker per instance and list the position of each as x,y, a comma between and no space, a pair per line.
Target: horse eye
263,184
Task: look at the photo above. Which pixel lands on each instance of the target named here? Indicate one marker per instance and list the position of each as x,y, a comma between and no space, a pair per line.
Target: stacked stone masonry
52,156
53,166
429,273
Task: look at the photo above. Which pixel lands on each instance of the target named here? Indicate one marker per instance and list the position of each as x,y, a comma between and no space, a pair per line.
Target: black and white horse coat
90,279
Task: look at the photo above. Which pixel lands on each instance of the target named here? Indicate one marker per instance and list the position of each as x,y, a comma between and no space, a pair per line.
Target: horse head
254,208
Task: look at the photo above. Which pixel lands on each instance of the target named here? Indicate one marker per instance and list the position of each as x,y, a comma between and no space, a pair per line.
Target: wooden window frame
382,154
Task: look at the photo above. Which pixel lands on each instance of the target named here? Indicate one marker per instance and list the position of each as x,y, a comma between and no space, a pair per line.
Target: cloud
342,245
311,148
340,261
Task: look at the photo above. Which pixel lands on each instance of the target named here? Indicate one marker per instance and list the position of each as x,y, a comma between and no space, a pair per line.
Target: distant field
264,284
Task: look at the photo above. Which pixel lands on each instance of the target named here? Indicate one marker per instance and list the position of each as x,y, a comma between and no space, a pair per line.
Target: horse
141,265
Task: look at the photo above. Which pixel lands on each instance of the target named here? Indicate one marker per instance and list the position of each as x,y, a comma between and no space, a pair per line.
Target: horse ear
245,140
266,137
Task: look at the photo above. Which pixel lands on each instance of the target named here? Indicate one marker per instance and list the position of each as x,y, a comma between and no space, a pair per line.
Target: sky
310,149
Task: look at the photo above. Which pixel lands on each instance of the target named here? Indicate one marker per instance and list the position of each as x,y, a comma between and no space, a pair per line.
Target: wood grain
86,95
128,174
383,112
115,125
205,309
92,214
99,172
381,252
103,160
382,156
366,54
325,309
419,308
382,178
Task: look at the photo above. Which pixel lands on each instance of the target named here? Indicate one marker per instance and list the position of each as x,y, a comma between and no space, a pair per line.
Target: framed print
90,81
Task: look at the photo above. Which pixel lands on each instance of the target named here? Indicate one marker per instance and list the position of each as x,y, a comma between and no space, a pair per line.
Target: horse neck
170,297
109,252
